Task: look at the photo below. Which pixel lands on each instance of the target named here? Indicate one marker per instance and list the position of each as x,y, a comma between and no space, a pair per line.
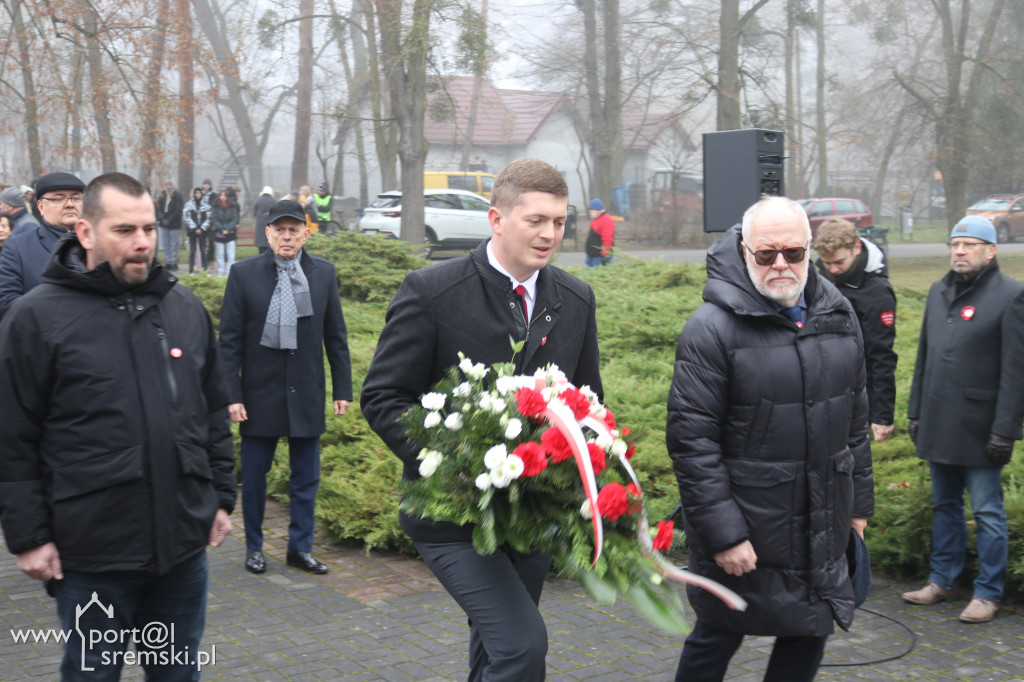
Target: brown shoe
930,594
979,611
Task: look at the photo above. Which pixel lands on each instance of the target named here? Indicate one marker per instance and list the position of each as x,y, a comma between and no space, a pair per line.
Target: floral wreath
541,465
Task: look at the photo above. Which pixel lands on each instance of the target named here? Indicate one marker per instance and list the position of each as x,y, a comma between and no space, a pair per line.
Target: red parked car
854,210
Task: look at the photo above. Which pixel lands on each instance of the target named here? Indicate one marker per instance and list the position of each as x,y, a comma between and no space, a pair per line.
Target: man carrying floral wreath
503,290
767,430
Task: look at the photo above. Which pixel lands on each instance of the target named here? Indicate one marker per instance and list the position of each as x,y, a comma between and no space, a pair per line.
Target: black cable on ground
913,643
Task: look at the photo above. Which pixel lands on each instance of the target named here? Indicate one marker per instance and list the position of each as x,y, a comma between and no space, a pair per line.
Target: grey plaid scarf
291,300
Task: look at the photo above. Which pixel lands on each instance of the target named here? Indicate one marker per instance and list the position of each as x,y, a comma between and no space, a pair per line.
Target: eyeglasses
953,246
792,254
60,200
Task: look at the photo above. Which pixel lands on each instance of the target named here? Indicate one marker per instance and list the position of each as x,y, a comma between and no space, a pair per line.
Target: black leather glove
999,450
912,430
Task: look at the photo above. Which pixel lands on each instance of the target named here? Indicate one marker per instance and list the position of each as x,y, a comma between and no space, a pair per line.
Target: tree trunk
479,71
304,96
385,132
728,66
821,132
30,98
187,106
793,186
149,154
98,91
228,72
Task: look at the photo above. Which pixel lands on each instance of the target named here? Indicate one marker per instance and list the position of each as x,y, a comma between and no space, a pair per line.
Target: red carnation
530,402
534,459
597,458
575,401
663,538
609,418
555,444
630,450
612,501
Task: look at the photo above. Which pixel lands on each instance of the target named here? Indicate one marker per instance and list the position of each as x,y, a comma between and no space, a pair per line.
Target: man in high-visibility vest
323,205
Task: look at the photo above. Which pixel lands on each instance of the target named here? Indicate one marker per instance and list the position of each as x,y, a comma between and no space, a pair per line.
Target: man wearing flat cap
59,199
281,311
966,408
12,202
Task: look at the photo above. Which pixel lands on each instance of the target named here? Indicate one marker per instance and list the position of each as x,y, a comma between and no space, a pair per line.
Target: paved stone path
384,617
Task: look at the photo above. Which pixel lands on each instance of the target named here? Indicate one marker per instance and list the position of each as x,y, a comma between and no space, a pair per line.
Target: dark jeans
499,593
304,459
707,652
133,607
198,243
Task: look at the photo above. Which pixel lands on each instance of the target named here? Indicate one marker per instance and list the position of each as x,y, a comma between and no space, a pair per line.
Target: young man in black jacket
470,304
857,268
117,467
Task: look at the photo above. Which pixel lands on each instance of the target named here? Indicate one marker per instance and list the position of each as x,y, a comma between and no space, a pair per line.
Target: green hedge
642,307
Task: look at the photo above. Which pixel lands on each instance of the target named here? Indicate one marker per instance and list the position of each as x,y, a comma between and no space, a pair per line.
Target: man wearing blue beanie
601,237
966,408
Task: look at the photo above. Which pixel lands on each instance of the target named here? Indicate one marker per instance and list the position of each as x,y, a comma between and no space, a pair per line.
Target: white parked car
454,218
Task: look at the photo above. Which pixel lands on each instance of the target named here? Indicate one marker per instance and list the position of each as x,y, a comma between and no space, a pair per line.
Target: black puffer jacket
117,446
767,429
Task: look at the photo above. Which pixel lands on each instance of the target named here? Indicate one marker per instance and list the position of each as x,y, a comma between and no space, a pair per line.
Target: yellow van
481,183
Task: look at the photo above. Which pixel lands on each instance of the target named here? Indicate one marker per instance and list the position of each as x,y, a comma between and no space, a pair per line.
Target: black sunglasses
792,254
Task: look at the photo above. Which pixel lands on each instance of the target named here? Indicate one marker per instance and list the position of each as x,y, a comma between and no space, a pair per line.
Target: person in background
224,227
768,434
966,408
5,229
600,237
196,217
261,218
13,203
169,206
25,253
281,311
857,267
323,201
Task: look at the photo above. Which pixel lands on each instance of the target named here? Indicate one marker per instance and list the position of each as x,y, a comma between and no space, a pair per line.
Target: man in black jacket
117,467
169,206
767,430
281,311
857,268
471,305
966,407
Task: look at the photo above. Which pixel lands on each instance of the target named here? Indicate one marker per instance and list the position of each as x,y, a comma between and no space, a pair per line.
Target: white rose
506,385
514,428
603,441
465,365
495,456
430,463
432,419
619,448
498,405
585,510
462,390
454,422
499,479
433,401
477,371
485,402
483,481
512,467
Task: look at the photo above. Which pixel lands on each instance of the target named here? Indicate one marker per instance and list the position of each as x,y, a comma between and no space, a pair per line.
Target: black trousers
499,593
707,652
198,243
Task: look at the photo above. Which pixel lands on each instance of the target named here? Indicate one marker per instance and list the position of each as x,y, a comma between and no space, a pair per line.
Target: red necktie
521,293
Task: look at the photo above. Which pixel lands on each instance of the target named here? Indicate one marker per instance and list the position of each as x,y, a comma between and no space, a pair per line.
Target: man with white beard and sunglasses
768,434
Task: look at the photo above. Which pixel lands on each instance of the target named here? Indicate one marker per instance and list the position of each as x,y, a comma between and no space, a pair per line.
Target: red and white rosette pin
888,318
967,313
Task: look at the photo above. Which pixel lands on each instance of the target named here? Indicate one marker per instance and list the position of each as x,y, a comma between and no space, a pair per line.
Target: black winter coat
969,376
466,305
224,223
283,390
168,214
118,447
261,214
767,430
868,290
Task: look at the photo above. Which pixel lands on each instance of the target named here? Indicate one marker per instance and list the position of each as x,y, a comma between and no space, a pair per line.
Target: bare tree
304,95
150,152
186,94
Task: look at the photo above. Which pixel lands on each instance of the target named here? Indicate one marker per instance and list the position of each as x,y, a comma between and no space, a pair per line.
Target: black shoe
255,562
306,561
